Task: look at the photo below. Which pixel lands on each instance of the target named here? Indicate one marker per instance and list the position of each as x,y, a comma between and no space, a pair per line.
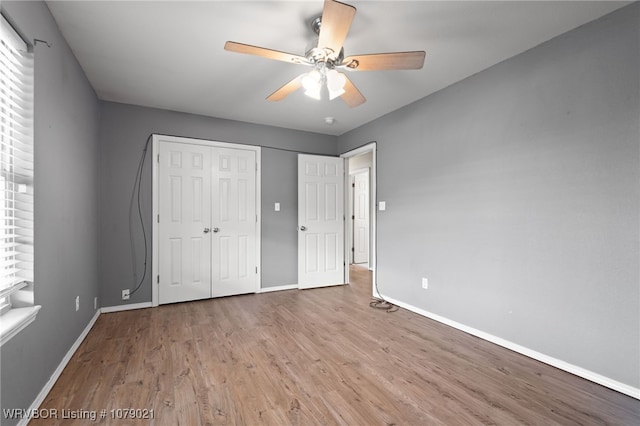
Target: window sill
15,321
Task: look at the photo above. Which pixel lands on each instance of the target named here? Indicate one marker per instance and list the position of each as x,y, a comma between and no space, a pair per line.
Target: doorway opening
360,212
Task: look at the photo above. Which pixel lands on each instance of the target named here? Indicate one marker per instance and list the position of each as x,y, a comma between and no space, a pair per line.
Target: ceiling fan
327,58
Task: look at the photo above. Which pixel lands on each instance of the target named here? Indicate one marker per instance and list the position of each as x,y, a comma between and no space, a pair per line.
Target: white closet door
320,221
207,229
234,221
184,179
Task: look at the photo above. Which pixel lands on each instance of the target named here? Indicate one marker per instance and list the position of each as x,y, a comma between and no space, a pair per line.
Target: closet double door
207,222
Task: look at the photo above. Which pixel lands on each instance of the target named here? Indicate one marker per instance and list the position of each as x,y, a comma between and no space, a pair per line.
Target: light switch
277,207
382,206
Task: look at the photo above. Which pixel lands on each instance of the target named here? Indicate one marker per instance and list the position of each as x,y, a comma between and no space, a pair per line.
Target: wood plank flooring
312,357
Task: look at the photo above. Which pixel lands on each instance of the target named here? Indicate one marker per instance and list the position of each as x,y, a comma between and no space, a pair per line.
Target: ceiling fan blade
285,90
386,61
336,21
352,95
232,46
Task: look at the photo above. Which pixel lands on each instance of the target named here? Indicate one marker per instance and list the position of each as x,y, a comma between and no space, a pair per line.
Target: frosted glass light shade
314,92
312,80
335,83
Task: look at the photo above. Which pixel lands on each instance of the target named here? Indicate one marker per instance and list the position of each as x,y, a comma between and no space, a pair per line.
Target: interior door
234,221
361,217
184,205
320,221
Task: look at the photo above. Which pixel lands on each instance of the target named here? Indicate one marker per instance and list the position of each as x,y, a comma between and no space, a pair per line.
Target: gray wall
516,193
279,231
125,129
66,210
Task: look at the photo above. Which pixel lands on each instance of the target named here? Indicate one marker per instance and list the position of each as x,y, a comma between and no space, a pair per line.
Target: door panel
320,221
184,178
234,216
361,218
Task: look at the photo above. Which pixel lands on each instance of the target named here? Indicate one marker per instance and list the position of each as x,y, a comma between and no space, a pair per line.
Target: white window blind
16,165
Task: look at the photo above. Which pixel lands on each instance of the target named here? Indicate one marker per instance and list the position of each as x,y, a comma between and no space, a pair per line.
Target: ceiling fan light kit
314,81
327,57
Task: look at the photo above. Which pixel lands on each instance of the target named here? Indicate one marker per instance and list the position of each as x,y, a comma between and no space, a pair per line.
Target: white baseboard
278,288
118,308
562,365
56,374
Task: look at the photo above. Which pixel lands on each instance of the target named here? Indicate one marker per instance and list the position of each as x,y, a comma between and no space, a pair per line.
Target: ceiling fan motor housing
314,53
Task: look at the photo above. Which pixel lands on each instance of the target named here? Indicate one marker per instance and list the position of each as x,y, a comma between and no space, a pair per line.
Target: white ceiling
170,55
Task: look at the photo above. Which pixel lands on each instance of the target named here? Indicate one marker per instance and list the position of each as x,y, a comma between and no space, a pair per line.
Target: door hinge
353,249
158,158
256,167
353,217
158,218
256,269
353,184
158,280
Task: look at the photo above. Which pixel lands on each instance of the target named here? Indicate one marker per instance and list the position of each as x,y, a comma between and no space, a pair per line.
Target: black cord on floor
381,303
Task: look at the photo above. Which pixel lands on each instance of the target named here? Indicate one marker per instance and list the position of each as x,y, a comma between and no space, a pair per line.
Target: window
16,184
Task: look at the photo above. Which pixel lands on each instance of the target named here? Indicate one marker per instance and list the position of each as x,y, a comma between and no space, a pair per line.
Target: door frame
373,218
155,241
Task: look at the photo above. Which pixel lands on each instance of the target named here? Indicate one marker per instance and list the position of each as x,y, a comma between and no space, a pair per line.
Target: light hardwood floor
311,357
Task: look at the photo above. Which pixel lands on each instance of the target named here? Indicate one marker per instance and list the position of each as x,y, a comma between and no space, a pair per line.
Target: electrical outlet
425,283
125,294
77,303
95,303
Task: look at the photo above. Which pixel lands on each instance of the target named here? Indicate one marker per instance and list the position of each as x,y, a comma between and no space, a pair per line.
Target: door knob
206,230
303,228
216,229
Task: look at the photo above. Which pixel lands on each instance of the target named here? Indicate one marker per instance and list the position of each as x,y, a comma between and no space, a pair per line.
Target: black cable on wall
135,198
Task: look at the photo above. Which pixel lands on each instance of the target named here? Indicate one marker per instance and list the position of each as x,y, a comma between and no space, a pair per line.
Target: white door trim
156,140
370,147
